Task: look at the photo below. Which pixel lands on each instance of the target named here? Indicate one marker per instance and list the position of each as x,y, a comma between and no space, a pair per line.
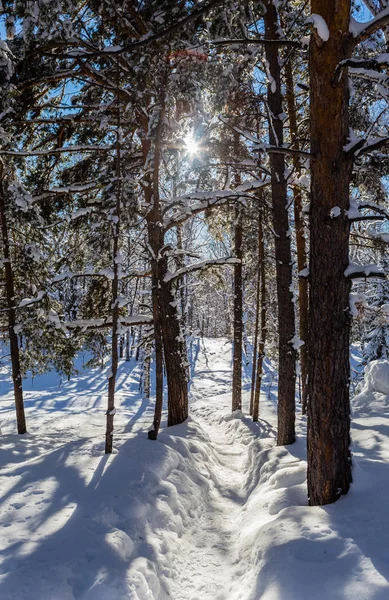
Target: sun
192,147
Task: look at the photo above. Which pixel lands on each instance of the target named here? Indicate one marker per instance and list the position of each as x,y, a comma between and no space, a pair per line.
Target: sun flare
192,147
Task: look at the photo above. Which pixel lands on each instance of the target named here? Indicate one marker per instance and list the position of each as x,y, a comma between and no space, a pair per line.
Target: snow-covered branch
199,267
85,324
69,149
362,31
106,273
355,271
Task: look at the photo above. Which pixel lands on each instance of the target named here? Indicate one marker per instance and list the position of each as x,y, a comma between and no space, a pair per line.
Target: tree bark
114,298
329,462
263,311
302,261
10,293
286,317
257,311
238,320
167,332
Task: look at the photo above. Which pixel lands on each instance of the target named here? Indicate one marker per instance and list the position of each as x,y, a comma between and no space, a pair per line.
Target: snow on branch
256,42
373,144
322,33
85,324
362,67
362,31
69,149
355,271
206,200
199,267
107,273
259,145
147,40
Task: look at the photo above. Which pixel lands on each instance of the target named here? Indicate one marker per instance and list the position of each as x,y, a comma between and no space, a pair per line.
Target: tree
286,317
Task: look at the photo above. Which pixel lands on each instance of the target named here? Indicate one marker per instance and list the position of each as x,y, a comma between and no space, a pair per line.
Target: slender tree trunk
238,321
286,317
10,293
128,356
302,261
329,462
263,310
114,297
139,339
257,310
146,371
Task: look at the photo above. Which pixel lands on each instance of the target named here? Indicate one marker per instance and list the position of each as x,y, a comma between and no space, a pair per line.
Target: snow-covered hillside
212,510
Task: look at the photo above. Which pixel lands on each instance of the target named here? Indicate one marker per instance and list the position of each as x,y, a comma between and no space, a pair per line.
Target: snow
320,25
365,270
377,377
335,212
357,299
212,510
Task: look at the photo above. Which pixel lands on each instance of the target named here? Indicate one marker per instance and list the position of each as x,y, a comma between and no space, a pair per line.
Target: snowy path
210,556
211,511
209,561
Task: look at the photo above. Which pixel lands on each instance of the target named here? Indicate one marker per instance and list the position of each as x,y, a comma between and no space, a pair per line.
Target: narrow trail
210,544
211,541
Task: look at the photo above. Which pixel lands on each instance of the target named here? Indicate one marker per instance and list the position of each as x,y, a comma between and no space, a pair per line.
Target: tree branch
379,22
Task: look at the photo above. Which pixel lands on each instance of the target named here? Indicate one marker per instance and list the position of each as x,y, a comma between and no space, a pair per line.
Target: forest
194,303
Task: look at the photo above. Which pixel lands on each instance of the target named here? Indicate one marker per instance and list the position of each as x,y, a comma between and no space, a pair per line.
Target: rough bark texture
261,307
175,355
329,462
115,306
286,318
238,320
10,293
256,325
169,341
302,262
155,237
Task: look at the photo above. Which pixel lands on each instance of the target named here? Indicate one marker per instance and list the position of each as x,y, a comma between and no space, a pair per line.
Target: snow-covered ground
212,510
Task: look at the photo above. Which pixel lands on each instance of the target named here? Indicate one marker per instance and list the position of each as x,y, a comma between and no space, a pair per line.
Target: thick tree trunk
329,462
175,354
262,309
238,317
286,317
302,261
10,293
167,333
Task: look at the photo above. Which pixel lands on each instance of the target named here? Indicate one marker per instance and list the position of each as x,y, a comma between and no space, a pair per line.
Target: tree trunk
146,371
302,261
10,293
329,462
154,235
167,333
174,352
257,310
114,300
128,356
262,307
286,317
238,321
